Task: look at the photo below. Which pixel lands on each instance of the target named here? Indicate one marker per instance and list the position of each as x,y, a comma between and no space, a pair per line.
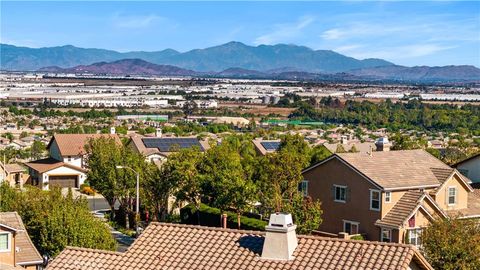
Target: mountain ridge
395,72
211,59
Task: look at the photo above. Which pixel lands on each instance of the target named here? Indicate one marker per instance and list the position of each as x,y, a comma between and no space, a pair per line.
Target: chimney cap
280,222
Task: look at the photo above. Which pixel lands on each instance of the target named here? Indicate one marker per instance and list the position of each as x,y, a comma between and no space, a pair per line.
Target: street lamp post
137,202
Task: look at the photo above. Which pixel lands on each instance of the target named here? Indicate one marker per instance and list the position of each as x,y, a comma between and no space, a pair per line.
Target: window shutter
347,194
333,192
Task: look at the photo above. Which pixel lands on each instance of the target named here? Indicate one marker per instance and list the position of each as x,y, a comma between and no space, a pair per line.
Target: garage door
63,181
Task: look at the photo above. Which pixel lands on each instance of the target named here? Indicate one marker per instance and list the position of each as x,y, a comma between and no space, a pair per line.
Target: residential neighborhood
243,135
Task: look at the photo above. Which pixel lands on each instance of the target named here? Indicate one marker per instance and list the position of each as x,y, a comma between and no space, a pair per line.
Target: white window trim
389,196
448,195
379,199
9,242
335,195
351,222
416,228
389,233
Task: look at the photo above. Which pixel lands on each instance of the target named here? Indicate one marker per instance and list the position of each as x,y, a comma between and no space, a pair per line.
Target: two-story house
65,166
470,167
387,196
16,249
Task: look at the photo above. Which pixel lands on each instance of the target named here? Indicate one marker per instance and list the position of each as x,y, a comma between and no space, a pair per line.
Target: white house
66,165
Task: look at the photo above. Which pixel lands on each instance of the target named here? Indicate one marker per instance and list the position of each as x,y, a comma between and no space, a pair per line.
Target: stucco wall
73,160
357,208
462,195
61,171
473,167
55,151
8,257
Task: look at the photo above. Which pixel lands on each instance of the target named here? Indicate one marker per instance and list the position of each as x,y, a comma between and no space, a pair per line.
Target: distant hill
123,67
397,73
419,73
214,59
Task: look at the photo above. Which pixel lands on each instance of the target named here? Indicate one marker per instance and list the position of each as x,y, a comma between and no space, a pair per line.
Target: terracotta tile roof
48,164
74,144
402,210
174,246
397,169
361,147
27,254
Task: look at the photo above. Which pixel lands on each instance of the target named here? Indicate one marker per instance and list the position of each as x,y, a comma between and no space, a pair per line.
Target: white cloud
332,34
284,32
395,52
135,21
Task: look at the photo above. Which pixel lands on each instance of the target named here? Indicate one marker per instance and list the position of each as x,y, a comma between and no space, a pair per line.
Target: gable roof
176,246
165,145
467,159
74,144
394,170
48,164
27,254
408,204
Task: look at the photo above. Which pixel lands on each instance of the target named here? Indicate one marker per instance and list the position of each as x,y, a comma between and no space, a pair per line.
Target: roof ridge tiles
313,237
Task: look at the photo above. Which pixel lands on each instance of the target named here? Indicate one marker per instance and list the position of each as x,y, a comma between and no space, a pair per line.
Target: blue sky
406,33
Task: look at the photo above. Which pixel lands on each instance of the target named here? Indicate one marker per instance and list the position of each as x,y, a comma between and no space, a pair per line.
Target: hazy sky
406,33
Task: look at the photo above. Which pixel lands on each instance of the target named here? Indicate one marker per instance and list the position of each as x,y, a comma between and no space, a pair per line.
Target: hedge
210,216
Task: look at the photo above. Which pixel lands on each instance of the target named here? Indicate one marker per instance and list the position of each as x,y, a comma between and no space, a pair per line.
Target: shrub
87,190
210,216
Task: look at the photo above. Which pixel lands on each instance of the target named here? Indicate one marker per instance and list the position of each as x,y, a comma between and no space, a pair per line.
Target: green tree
37,150
452,244
55,221
104,154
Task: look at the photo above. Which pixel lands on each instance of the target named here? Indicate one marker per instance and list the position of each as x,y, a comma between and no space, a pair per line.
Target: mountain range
213,59
233,59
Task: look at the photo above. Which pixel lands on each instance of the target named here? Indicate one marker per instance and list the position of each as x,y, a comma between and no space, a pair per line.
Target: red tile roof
174,246
74,144
48,164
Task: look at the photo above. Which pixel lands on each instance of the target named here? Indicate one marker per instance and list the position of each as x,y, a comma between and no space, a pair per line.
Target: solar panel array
270,146
169,144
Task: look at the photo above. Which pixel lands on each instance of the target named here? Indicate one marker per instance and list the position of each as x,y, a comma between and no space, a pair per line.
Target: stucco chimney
158,132
383,144
112,130
280,238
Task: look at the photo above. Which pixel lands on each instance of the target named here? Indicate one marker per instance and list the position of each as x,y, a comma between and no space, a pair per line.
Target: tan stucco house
387,196
16,249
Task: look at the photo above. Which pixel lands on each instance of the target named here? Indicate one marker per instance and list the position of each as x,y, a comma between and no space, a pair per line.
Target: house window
452,195
350,227
303,187
69,158
386,235
374,200
4,242
415,237
340,193
388,196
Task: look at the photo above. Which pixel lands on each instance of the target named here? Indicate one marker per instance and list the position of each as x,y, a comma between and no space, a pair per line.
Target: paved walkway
123,240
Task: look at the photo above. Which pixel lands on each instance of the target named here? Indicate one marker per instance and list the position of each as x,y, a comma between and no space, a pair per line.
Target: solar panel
271,146
169,144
